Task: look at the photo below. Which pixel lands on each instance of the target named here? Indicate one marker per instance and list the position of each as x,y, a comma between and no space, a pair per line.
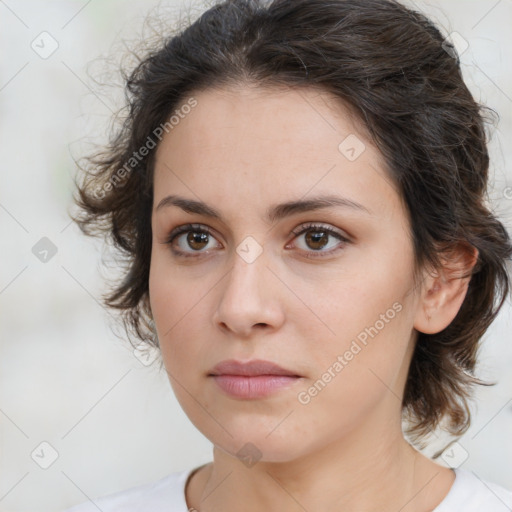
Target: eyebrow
275,212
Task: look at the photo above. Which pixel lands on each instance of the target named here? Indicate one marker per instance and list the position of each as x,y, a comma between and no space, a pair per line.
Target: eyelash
197,228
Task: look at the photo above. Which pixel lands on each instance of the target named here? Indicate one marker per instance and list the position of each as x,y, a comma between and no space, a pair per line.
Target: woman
299,190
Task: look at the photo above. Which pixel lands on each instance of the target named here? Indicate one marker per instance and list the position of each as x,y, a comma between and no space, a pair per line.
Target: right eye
197,238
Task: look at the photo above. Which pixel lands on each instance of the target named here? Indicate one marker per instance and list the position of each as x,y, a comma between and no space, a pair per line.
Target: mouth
254,368
252,380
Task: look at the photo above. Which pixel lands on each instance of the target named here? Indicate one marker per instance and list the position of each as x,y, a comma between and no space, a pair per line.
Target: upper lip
250,368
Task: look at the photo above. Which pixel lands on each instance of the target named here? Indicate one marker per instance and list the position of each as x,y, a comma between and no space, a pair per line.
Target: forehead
258,146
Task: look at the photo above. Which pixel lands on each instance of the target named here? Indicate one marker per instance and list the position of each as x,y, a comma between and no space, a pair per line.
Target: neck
372,469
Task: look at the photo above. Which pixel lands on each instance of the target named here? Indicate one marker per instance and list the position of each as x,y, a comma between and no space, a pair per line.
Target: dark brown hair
394,69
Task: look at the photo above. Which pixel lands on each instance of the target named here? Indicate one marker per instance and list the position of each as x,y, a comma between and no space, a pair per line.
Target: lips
252,368
254,380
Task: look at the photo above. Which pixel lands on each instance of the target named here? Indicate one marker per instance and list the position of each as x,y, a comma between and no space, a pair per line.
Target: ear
444,290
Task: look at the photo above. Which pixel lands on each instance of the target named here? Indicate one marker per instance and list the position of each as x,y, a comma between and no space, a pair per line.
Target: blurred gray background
80,414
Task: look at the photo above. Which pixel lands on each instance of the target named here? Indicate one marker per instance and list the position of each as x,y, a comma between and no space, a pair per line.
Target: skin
241,150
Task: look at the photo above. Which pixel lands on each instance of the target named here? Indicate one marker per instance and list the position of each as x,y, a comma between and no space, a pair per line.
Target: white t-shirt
467,494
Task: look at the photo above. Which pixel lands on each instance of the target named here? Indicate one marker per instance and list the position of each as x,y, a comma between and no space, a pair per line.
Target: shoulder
166,494
470,493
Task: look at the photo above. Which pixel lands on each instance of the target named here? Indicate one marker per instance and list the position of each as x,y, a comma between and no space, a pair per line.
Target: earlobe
444,290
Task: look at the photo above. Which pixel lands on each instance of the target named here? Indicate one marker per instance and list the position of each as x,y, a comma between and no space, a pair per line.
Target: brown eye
197,240
317,237
317,240
189,239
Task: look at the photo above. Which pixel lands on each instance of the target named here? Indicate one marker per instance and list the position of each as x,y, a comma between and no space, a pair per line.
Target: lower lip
257,386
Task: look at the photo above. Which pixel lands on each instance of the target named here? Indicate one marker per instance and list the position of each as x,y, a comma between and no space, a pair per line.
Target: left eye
198,237
317,238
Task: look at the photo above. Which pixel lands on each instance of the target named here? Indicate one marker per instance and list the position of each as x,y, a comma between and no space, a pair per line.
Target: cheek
364,305
356,375
173,293
171,304
370,313
178,300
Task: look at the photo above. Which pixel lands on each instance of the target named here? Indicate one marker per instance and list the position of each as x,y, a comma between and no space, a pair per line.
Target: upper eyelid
295,231
319,225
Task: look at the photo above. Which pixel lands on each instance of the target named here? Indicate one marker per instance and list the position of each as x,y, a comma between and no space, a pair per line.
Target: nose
249,298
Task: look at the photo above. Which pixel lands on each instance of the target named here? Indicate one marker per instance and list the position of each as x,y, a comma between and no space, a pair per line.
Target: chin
252,445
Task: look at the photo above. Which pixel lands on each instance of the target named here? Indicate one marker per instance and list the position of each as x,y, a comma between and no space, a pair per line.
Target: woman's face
336,309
